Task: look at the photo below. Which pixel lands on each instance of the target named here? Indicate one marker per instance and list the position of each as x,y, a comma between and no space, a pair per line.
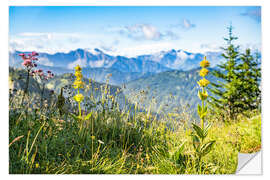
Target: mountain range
164,82
96,64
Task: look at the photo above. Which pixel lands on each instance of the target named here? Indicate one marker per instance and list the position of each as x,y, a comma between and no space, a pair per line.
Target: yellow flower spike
204,72
78,68
79,98
203,82
78,74
204,63
78,83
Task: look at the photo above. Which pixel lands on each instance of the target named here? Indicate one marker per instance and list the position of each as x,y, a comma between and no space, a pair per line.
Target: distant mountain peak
97,50
94,51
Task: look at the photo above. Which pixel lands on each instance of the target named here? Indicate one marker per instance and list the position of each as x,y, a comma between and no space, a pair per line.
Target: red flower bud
34,53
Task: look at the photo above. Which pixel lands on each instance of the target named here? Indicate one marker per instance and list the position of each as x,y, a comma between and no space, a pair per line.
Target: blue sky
131,30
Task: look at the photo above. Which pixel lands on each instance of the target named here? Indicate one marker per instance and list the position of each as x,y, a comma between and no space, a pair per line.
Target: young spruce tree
250,76
225,97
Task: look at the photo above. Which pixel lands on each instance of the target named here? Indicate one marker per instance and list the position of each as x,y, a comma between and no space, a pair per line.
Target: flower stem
42,94
79,104
26,86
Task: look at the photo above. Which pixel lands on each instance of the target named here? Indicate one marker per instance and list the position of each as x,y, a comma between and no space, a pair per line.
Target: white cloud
205,47
252,46
143,32
15,44
147,48
150,32
41,35
80,62
50,42
187,24
44,61
254,13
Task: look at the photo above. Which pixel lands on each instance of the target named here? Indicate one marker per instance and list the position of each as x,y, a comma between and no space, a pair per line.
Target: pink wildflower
27,62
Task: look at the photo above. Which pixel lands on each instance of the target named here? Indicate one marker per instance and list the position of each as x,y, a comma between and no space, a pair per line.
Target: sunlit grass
120,145
104,138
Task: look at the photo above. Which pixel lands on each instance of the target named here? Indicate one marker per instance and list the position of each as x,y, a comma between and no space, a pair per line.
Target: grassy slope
243,136
66,147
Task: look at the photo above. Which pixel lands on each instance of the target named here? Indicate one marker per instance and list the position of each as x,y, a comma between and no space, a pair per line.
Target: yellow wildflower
79,98
78,68
204,63
78,75
203,82
78,84
204,72
37,165
147,157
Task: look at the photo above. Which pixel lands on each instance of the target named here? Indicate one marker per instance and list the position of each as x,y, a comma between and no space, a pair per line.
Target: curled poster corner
249,164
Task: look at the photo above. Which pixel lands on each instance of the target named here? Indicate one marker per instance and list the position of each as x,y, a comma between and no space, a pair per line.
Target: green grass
118,141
